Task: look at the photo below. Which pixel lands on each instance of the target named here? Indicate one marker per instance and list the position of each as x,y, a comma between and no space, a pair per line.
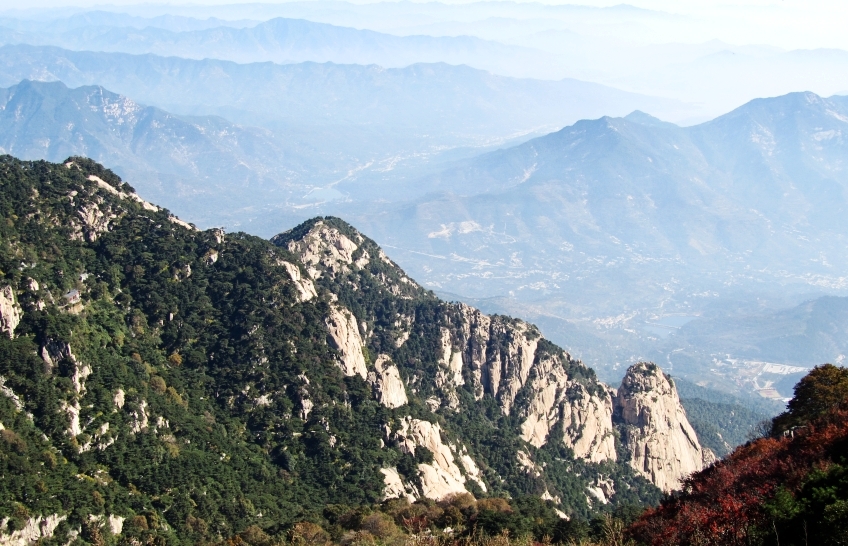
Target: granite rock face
344,333
586,416
503,358
10,311
472,360
388,383
499,352
304,286
34,531
661,444
443,476
324,248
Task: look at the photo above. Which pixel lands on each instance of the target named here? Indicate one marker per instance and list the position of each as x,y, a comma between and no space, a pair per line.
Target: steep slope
787,488
190,384
455,359
662,444
182,158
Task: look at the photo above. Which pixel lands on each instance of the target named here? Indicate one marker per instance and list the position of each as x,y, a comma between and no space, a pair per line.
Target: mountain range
365,125
755,195
75,19
597,231
600,173
283,40
636,50
188,383
459,103
195,159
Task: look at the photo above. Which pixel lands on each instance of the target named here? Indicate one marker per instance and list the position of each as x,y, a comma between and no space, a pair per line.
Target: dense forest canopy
167,385
161,384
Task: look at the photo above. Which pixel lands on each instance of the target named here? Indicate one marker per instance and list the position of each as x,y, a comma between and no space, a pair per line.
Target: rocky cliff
10,312
481,359
288,376
660,443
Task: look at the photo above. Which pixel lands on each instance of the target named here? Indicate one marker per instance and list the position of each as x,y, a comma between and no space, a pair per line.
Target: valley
604,270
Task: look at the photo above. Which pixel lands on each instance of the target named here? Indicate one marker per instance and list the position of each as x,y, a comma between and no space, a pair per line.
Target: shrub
158,384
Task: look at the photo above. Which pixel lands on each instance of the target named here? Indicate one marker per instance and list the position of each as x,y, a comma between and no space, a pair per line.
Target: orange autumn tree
773,490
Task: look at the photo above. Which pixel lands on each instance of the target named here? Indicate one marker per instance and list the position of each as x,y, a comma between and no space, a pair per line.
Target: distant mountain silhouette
192,158
459,102
280,40
758,194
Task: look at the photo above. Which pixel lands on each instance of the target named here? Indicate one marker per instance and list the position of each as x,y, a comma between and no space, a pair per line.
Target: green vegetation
790,488
188,390
192,348
823,389
724,421
721,427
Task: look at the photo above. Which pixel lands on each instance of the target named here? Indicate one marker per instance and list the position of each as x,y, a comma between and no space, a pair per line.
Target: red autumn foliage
721,504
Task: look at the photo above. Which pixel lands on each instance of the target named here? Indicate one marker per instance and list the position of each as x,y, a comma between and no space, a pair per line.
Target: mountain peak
642,118
663,445
332,249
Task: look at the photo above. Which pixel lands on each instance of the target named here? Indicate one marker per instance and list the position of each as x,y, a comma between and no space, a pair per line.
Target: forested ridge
189,446
167,385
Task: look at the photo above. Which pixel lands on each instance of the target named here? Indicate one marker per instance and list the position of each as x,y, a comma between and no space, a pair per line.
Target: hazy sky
788,24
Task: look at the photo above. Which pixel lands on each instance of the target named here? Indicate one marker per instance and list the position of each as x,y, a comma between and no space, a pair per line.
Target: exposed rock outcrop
527,464
486,356
472,471
10,394
395,487
451,361
116,524
449,375
586,417
10,311
661,444
588,426
440,478
324,247
388,383
54,351
304,286
35,530
462,388
499,352
403,327
328,247
602,490
102,184
139,419
96,217
119,398
344,333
